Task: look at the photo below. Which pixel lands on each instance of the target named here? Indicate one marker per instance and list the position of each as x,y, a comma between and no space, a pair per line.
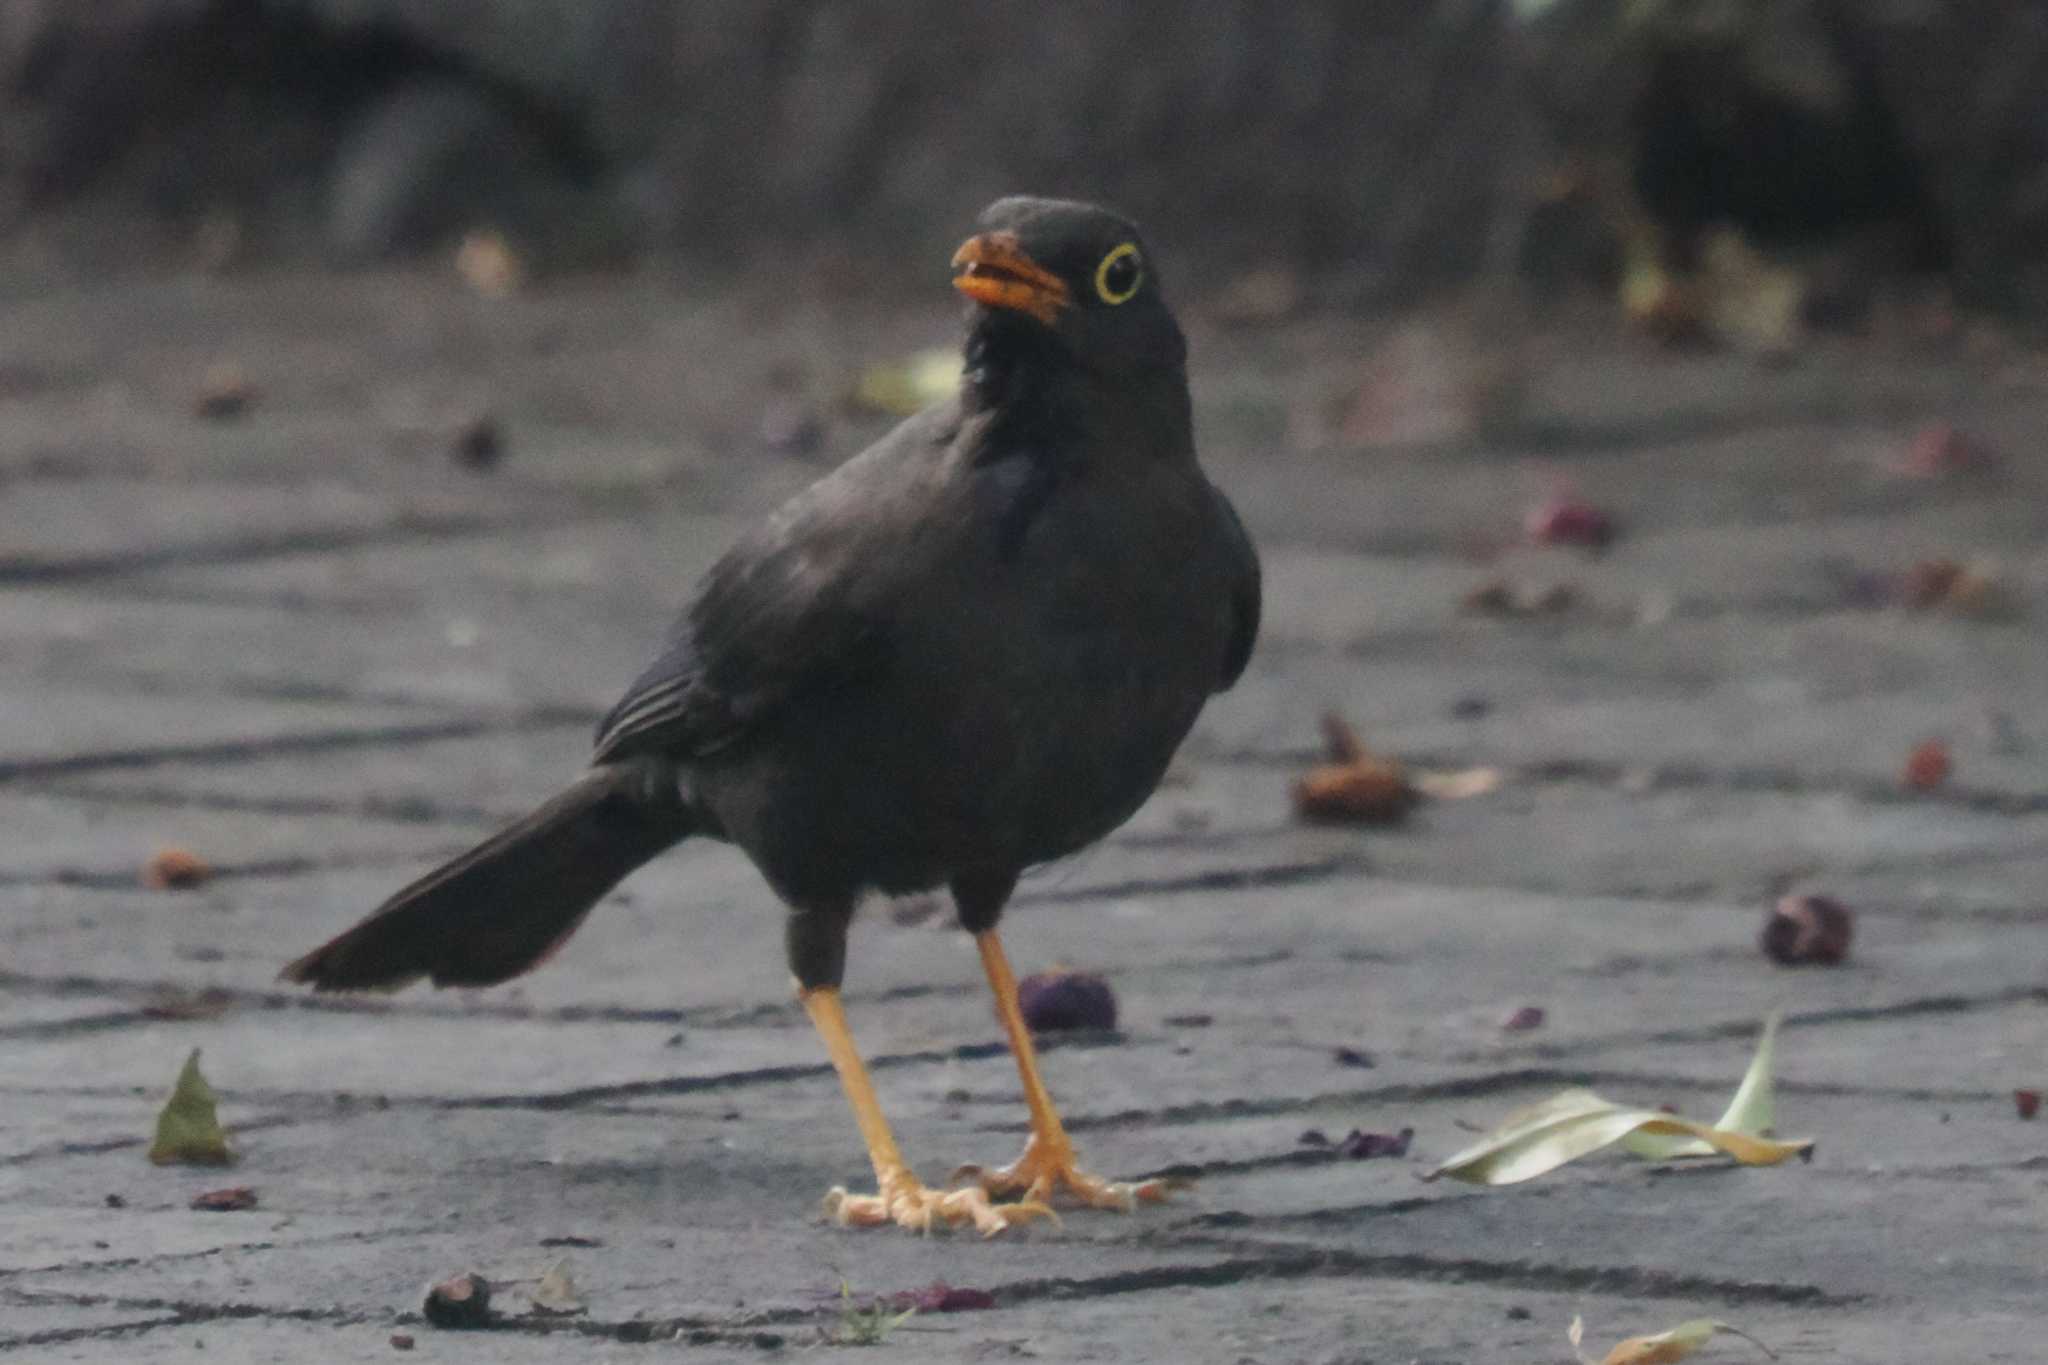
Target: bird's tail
505,906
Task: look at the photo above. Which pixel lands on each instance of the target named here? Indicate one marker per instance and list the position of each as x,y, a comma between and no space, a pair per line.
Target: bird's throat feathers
1035,393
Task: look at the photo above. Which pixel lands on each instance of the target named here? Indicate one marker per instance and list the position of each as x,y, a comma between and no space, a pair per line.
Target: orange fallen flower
1357,786
176,869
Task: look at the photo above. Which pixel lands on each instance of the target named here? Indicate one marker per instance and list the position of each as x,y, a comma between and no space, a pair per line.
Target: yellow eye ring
1128,270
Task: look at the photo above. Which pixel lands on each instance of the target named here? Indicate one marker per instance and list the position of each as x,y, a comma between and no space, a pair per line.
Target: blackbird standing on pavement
970,649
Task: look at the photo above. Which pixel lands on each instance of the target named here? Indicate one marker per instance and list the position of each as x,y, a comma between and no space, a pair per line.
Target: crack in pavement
270,746
407,527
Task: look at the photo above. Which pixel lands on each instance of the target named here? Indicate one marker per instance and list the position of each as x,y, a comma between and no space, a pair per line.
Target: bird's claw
911,1205
1045,1169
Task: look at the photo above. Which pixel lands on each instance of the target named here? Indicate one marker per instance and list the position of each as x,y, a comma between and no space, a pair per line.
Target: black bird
972,648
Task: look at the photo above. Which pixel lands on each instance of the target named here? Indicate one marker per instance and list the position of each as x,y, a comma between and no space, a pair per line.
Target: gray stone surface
309,648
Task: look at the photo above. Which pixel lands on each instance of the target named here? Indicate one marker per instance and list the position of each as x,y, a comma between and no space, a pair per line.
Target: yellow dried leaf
555,1295
1543,1136
1665,1347
188,1130
1752,1113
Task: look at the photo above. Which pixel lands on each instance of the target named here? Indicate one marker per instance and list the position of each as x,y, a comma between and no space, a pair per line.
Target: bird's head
1069,273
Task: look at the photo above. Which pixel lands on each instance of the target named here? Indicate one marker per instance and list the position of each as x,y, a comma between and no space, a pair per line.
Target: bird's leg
817,954
900,1198
1047,1163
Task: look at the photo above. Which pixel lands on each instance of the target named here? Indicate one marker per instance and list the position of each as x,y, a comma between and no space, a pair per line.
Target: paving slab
310,646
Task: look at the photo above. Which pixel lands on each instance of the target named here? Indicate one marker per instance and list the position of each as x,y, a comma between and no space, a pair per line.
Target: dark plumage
972,648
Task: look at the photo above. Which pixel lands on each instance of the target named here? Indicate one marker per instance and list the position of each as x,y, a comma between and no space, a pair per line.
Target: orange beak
994,271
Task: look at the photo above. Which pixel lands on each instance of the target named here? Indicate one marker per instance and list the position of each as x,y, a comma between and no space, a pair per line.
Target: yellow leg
899,1198
1048,1160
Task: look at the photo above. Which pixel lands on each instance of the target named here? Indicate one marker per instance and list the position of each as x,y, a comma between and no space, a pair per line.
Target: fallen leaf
231,1200
1313,1137
1462,785
2026,1103
555,1295
489,264
1807,930
1523,1019
401,1341
901,387
1927,766
1363,1146
1356,787
459,1303
1053,1001
1351,1056
1975,589
1664,1348
1543,1136
1939,448
176,869
188,1129
1753,1111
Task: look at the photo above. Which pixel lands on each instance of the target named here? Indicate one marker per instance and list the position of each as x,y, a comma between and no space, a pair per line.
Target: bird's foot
909,1204
1047,1167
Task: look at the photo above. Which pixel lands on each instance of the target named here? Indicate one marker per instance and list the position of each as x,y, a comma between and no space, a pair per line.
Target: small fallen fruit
1356,787
231,1200
478,443
1523,1019
401,1341
2026,1102
459,1303
1803,930
1362,1146
176,869
1054,1001
188,1130
1927,766
1568,521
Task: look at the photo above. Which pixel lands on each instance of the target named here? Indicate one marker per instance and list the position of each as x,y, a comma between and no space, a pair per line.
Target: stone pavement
307,646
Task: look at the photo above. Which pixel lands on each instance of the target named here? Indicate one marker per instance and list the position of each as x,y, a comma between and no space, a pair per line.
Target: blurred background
1393,148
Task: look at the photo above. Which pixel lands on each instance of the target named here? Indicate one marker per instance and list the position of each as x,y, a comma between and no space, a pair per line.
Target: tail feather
505,906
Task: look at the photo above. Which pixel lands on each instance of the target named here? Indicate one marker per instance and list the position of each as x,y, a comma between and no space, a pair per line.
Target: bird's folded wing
801,603
1245,594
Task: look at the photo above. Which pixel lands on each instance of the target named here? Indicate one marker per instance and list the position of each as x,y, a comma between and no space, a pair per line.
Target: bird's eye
1120,274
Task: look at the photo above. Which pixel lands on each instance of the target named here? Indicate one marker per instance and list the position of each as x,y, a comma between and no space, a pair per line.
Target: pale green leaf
1665,1348
1543,1136
1753,1111
188,1129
